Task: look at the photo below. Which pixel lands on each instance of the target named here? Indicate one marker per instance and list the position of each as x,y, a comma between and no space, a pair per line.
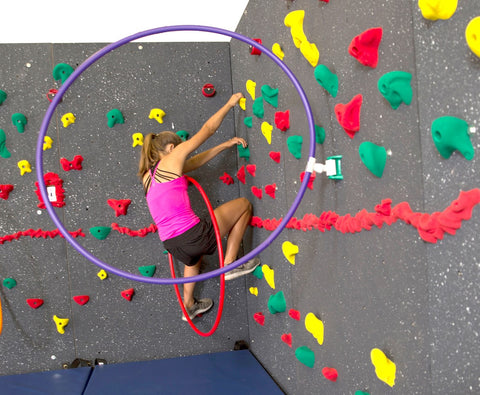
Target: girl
163,162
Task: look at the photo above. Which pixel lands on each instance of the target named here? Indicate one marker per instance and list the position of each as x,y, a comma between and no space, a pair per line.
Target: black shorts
192,244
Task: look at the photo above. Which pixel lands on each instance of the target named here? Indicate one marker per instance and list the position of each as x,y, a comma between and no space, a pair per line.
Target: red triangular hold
128,294
295,314
259,318
241,174
257,192
348,115
364,47
270,190
275,156
35,303
287,339
252,169
120,206
330,373
81,299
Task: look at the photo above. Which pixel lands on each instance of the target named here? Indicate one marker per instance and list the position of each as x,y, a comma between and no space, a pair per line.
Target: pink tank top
170,207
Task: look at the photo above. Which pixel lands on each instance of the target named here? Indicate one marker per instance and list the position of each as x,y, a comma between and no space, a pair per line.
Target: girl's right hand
234,99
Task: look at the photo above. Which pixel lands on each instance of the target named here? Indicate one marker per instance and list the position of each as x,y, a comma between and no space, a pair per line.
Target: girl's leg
188,288
233,219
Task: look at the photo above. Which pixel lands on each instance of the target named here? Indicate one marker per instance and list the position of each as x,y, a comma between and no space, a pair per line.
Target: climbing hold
295,314
348,115
62,71
287,339
384,368
437,9
120,206
277,303
257,191
74,164
319,134
61,324
208,90
253,290
183,134
358,392
137,139
47,143
243,103
55,190
294,20
128,294
4,152
327,79
270,95
315,327
267,131
257,107
255,50
472,35
277,50
330,373
114,117
248,122
250,86
306,356
270,190
19,121
251,169
276,156
9,283
294,144
34,303
227,179
364,47
81,299
102,274
24,167
282,120
395,87
310,52
259,318
258,273
5,190
3,96
51,94
289,250
310,180
68,119
147,271
269,275
241,174
157,114
450,134
100,232
373,157
243,152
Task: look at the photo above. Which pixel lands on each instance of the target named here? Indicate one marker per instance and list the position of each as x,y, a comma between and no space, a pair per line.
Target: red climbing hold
75,164
259,318
52,180
252,169
275,156
310,180
35,303
295,314
208,90
364,47
51,94
282,120
270,190
241,174
120,206
348,115
287,339
254,50
257,192
5,190
330,373
227,179
81,299
128,294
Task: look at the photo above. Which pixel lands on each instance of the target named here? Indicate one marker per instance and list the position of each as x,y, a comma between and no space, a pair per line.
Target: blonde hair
153,146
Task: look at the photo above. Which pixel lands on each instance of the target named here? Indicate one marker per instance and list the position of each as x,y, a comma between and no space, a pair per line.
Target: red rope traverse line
221,263
38,233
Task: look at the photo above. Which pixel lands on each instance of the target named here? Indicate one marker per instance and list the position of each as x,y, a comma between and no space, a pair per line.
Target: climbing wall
100,162
380,290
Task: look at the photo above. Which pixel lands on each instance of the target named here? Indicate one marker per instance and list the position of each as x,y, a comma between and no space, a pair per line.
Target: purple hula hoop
99,54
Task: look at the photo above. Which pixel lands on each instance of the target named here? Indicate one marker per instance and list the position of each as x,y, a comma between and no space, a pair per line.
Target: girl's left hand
237,141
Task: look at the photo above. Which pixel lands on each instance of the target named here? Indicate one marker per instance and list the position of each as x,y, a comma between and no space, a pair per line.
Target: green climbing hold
147,271
243,152
3,96
248,122
277,303
62,71
319,134
257,107
258,272
294,144
183,134
19,121
4,152
450,134
9,283
358,392
270,95
396,88
327,79
305,356
373,156
100,232
114,116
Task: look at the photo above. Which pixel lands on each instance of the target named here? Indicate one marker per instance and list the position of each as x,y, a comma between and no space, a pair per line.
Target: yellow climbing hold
253,291
267,131
250,85
269,275
102,274
294,20
68,119
472,34
310,52
24,167
61,324
277,50
158,114
137,139
243,103
315,327
289,250
47,143
384,368
437,9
